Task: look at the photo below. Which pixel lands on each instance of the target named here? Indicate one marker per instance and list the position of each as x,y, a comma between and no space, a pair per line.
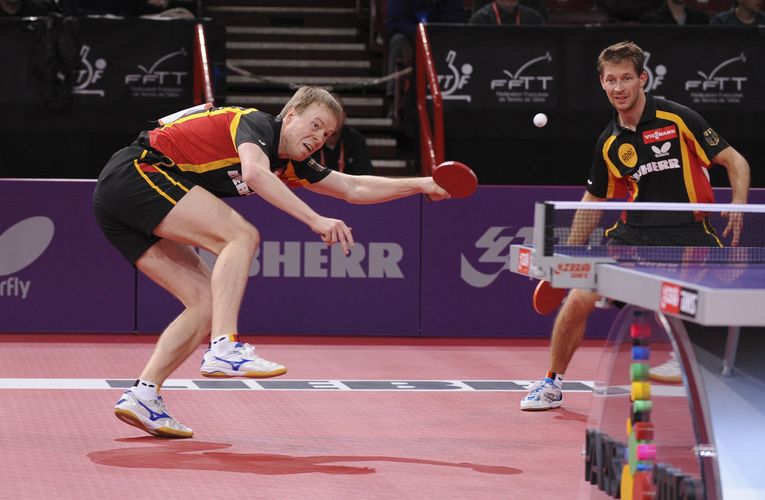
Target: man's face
622,84
753,5
306,133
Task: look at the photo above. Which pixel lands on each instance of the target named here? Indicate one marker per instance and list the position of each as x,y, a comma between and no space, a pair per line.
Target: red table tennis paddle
456,179
547,298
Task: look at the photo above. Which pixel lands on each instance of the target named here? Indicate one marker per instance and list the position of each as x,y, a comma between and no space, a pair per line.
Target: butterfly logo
22,243
663,150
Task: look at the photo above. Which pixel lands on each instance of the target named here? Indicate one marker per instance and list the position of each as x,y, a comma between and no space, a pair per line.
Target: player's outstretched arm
739,177
259,178
366,189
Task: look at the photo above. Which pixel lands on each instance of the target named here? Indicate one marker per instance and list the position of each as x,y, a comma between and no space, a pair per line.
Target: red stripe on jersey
145,167
701,184
198,140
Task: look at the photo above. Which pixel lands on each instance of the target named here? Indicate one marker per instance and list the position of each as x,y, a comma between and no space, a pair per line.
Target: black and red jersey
664,160
202,147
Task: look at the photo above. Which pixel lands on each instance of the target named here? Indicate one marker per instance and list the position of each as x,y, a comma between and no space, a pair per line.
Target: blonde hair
622,51
305,96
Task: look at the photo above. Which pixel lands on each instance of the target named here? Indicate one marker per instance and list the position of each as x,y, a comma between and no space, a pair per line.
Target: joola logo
21,245
659,134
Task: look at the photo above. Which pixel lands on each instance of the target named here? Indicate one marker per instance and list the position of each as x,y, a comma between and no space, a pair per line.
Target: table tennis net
655,232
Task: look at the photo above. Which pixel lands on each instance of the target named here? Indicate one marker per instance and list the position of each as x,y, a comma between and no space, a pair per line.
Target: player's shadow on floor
198,455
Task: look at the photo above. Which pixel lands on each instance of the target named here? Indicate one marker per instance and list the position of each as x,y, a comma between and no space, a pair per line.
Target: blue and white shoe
240,361
543,395
150,416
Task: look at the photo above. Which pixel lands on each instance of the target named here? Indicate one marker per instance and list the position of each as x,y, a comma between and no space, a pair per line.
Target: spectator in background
346,149
165,9
675,12
403,18
538,5
743,13
24,8
626,11
506,12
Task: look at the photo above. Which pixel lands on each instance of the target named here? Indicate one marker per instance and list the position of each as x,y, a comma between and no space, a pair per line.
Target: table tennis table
716,292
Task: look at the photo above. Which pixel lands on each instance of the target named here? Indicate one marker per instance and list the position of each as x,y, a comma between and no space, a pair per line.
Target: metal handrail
203,88
431,137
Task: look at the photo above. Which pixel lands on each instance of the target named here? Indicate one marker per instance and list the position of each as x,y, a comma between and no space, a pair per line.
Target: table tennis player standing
160,197
654,150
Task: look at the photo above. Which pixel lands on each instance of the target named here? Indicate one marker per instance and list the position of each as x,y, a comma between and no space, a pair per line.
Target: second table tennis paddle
455,178
547,298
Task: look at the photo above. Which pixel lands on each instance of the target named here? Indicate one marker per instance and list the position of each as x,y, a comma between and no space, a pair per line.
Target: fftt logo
153,76
669,302
518,81
21,245
496,253
712,82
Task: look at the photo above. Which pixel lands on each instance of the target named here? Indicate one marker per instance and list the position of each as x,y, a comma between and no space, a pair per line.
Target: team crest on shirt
711,137
627,155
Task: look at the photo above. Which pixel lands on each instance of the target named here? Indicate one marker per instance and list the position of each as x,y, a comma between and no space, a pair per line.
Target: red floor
312,444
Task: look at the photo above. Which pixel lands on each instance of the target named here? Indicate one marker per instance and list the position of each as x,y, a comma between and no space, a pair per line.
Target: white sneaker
543,395
150,416
241,361
668,372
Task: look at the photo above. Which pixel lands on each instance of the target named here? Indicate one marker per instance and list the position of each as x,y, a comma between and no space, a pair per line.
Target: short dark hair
622,51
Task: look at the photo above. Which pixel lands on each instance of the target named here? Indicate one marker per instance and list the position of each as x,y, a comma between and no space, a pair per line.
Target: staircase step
312,67
295,34
293,3
354,105
293,50
237,83
283,15
392,168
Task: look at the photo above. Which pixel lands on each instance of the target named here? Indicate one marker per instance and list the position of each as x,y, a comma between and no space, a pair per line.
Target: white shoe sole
540,406
226,373
131,418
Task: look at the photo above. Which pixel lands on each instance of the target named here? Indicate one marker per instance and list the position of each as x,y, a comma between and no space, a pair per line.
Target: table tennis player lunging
654,150
158,198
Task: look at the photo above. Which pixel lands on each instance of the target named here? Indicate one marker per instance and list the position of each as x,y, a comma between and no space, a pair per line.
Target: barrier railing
431,137
203,91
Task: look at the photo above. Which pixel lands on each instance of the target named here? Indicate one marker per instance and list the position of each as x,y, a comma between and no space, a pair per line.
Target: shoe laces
160,404
246,350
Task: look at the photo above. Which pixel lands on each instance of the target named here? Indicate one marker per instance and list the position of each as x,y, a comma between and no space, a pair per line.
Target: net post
544,228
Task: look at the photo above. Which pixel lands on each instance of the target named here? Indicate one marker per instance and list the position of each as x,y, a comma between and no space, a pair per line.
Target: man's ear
643,79
289,115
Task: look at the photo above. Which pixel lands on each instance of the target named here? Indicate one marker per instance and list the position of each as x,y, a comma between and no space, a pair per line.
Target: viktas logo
21,245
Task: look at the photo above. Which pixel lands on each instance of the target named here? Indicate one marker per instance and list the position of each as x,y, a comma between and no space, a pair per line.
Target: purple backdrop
298,285
57,271
467,288
419,268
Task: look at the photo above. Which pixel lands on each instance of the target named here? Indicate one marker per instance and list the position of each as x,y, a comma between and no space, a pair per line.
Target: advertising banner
57,271
466,284
298,285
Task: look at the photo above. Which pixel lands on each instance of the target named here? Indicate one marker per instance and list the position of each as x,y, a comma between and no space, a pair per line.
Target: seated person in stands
538,5
743,13
675,12
627,11
507,13
346,149
403,18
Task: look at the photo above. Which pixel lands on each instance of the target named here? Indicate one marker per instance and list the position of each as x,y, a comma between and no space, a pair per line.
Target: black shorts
691,234
135,191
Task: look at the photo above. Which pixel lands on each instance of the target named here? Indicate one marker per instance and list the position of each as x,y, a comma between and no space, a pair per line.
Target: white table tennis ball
540,119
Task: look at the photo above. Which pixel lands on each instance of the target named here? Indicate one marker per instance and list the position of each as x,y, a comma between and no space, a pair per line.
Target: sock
224,343
557,379
145,389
